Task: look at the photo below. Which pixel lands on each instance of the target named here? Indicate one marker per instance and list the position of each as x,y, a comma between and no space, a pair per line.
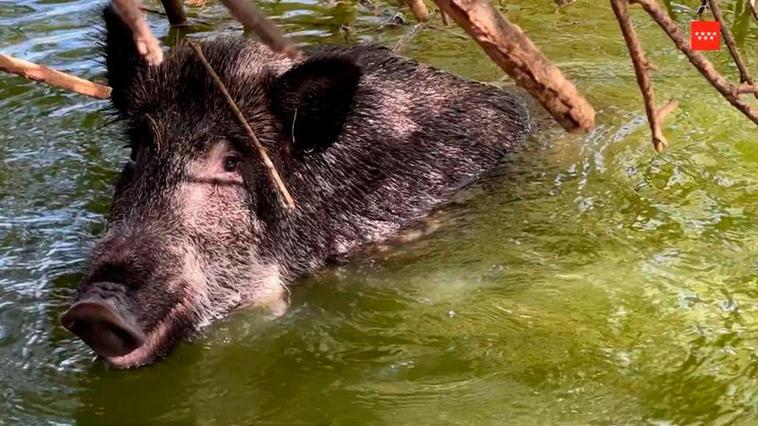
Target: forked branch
642,71
730,44
730,92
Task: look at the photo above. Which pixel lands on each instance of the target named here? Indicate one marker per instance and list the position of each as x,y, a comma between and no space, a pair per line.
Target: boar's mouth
100,325
114,335
157,342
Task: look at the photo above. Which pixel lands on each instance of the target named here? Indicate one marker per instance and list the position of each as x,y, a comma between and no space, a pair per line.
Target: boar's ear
122,60
313,99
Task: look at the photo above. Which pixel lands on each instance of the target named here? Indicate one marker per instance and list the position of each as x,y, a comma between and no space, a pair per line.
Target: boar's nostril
101,327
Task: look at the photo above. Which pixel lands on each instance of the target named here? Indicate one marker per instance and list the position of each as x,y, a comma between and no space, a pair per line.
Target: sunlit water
587,280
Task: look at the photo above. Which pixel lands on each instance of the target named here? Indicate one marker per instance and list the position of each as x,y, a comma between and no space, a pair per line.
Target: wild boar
366,142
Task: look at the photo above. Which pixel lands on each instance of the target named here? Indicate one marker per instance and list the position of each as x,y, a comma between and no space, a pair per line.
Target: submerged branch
244,11
286,198
512,50
53,77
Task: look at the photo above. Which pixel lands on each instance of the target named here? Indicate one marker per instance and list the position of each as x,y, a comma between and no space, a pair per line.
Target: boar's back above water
365,141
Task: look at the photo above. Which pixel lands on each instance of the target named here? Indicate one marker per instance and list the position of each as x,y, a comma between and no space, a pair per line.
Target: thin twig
702,64
515,54
286,198
641,70
667,109
53,77
253,19
729,40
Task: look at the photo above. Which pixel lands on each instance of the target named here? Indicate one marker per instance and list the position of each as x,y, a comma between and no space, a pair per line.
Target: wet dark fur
364,182
366,142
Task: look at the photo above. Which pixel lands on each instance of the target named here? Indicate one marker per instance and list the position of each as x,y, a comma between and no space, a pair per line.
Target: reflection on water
587,279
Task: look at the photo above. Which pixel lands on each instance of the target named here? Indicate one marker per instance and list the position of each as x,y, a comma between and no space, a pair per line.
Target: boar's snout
108,330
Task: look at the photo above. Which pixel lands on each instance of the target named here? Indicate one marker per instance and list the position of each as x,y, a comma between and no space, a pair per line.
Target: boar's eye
231,164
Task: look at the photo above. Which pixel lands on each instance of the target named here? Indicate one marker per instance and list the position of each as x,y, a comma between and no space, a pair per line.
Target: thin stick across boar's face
192,208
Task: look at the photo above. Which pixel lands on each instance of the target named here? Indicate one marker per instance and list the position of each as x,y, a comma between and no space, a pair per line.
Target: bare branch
286,198
729,40
641,70
702,64
53,77
253,19
510,49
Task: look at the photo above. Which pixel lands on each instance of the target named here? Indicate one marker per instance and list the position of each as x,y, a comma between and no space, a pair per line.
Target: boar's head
365,141
194,217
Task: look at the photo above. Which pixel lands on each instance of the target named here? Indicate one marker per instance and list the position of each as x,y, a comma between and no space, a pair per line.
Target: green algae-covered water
588,280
